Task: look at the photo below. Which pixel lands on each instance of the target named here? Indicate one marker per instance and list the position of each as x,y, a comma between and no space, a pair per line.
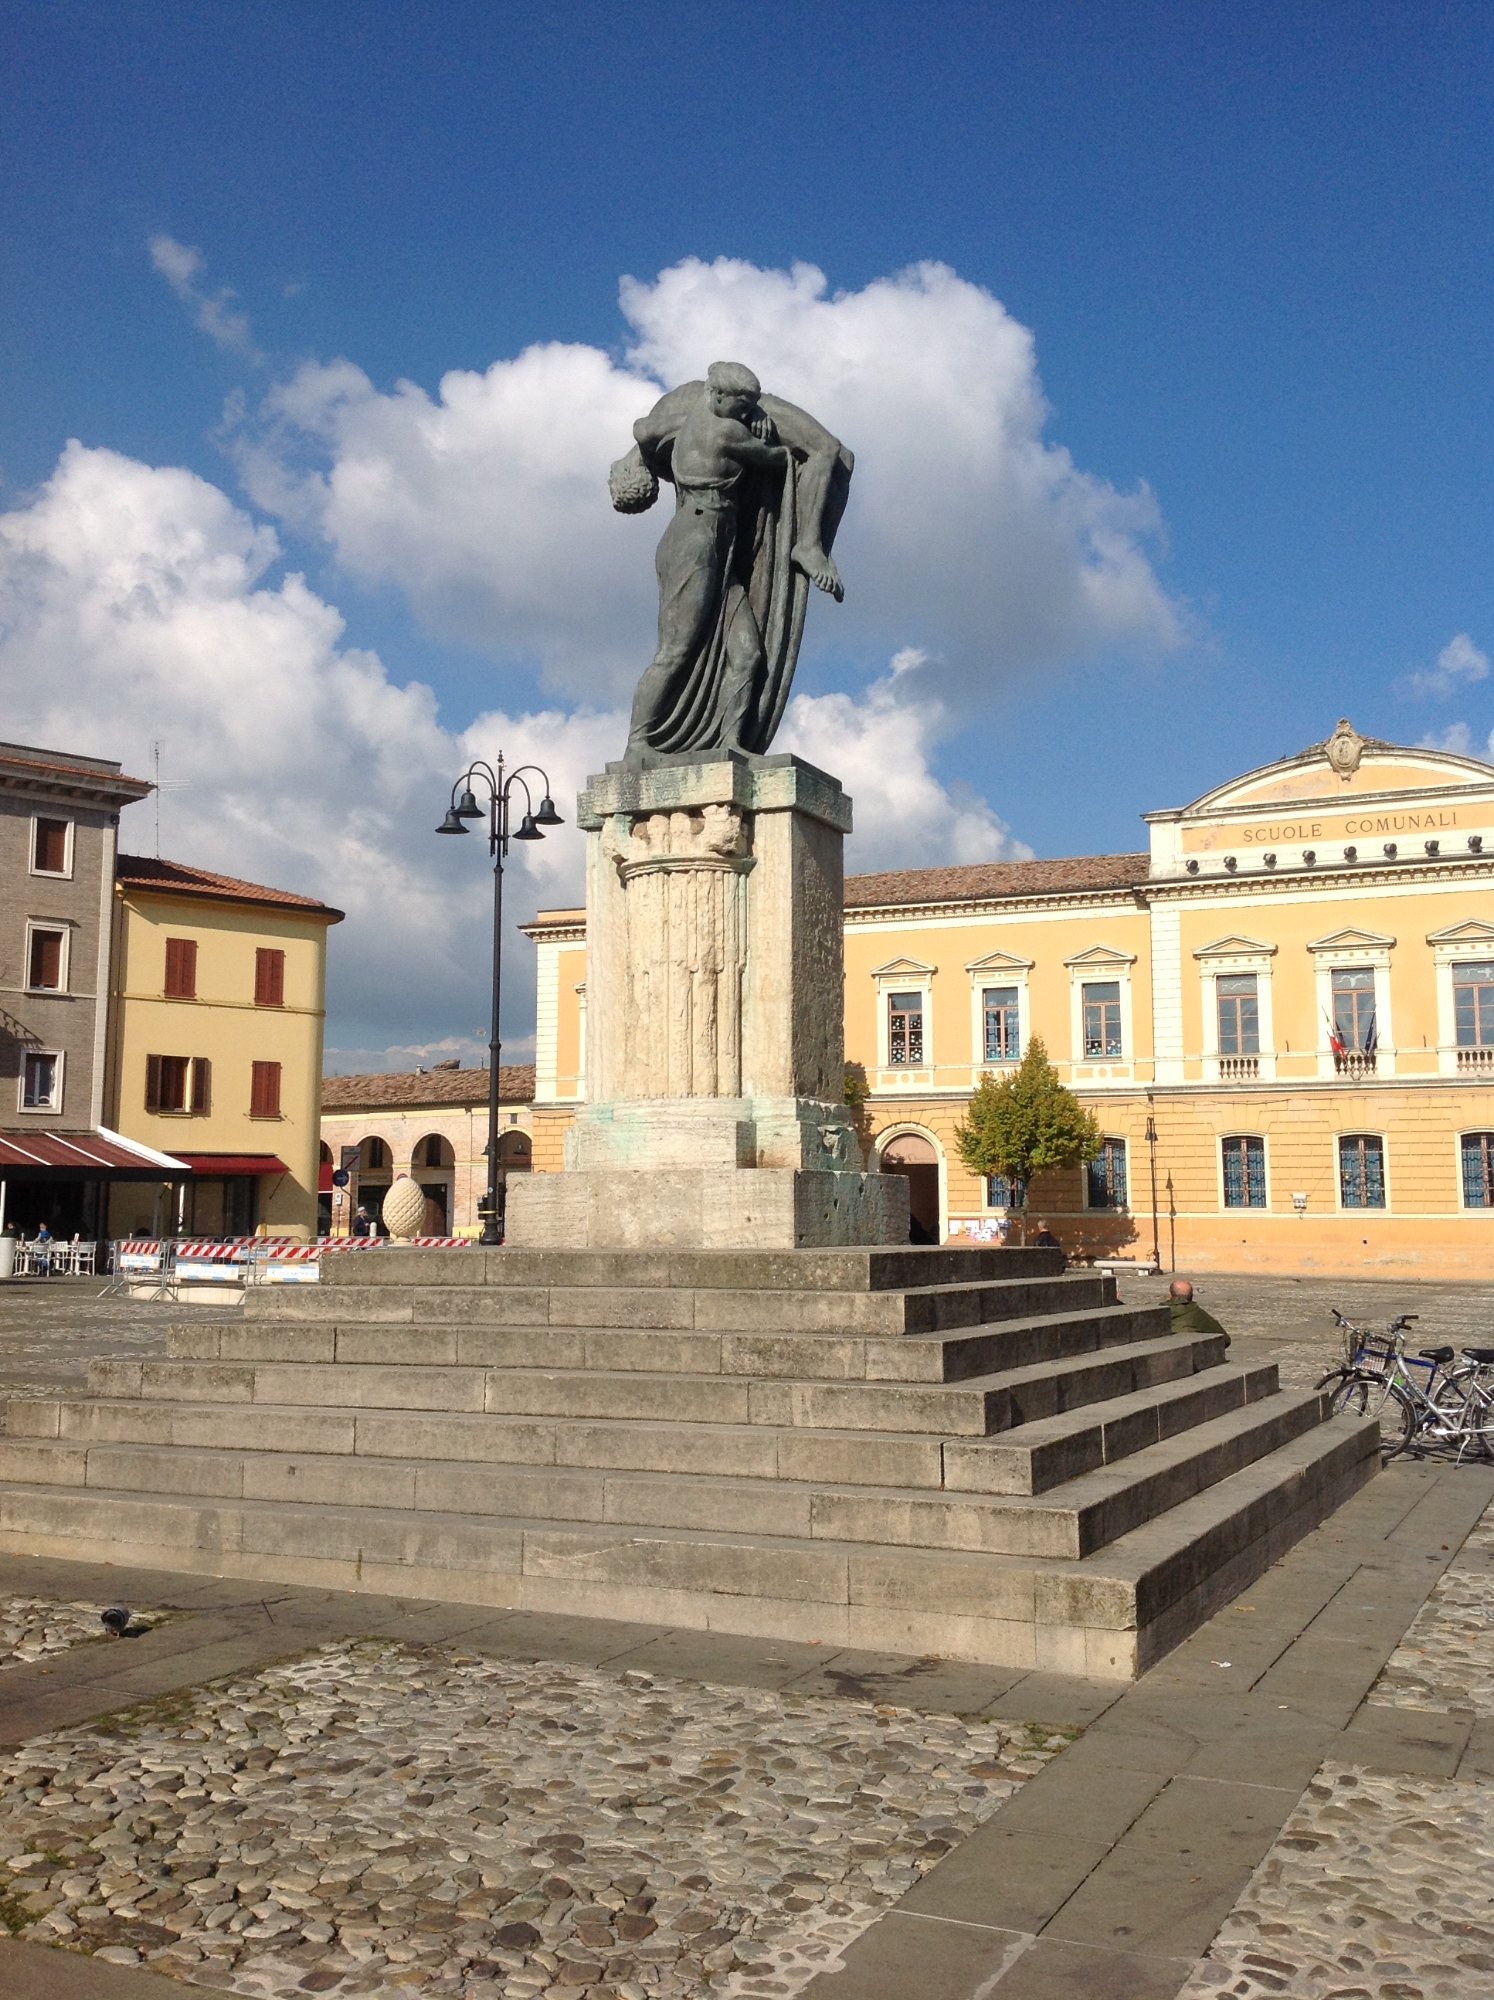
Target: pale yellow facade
250,1094
1194,990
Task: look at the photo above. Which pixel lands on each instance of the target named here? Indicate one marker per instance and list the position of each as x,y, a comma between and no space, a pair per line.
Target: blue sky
1242,252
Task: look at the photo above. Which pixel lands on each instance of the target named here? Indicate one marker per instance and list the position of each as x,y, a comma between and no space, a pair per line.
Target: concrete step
706,1309
1073,1521
923,1357
1036,1457
974,1406
1108,1614
846,1270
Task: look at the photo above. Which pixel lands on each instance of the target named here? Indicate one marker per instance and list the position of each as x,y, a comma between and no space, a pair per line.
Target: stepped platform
971,1453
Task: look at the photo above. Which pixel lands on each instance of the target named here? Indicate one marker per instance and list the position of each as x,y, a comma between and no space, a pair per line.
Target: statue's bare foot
818,567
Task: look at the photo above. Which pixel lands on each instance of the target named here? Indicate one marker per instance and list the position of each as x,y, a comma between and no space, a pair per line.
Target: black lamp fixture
531,826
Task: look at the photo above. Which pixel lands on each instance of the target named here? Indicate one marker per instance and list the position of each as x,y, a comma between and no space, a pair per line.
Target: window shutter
264,1090
269,978
181,968
202,1085
152,1083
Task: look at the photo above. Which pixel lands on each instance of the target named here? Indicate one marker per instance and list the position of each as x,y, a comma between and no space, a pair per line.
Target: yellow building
1281,1012
218,1005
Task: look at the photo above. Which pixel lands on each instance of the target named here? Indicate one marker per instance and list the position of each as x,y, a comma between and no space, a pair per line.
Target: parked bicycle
1415,1397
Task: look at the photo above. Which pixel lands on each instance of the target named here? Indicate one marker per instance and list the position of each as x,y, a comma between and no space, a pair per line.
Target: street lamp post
530,827
1151,1140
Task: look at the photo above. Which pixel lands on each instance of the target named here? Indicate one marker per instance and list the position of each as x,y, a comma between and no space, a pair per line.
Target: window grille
1478,1169
1361,1171
1107,1175
1244,1173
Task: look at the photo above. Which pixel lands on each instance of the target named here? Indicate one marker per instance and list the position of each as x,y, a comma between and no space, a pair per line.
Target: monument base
706,1208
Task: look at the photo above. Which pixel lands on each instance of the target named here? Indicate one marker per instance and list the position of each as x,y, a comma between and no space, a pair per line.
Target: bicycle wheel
1373,1396
1462,1409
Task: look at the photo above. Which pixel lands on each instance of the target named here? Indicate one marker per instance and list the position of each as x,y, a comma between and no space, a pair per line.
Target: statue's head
733,389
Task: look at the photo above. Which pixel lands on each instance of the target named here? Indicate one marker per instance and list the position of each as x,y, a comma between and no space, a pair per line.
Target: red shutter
45,971
269,978
49,854
264,1090
181,968
152,1083
202,1085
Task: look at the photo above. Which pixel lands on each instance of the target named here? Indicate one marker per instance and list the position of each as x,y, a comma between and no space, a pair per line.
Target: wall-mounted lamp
1390,850
1433,846
1269,859
1192,867
1309,855
1351,854
1230,863
1475,843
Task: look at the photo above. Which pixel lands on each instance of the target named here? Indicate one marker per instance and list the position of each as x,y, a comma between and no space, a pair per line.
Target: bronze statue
759,491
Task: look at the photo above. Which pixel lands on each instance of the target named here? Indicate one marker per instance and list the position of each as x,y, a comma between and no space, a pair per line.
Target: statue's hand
632,485
761,426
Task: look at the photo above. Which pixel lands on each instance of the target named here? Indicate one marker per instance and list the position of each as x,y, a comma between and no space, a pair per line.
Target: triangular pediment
1352,940
904,968
1235,947
1000,961
1100,954
1471,932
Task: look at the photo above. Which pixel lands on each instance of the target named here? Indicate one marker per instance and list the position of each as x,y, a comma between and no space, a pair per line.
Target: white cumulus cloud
968,533
213,313
1460,665
879,744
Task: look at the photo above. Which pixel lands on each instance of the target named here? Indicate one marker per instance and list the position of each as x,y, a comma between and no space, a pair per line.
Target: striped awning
85,1156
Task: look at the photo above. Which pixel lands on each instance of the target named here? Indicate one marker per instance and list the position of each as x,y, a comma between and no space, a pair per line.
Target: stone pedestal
715,1054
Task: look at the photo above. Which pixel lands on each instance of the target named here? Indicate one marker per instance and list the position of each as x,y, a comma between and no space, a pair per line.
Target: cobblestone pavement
51,1328
1377,1889
31,1629
377,1819
1446,1659
1381,1885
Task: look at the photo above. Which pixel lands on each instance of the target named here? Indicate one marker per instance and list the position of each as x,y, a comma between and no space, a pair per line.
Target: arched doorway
916,1158
375,1172
433,1165
515,1155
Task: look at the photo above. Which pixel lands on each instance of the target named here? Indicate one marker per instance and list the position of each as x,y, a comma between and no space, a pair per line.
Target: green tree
1026,1124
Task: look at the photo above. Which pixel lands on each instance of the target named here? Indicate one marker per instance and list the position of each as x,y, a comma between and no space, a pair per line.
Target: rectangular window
905,1028
1002,1192
41,1082
264,1090
1473,1005
49,847
1003,1037
181,1086
1107,1175
1478,1169
1361,1171
1244,1173
1354,1009
44,960
269,978
181,969
1239,1014
1102,1018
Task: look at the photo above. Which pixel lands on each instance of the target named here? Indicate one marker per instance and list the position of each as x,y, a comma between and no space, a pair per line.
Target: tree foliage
1027,1123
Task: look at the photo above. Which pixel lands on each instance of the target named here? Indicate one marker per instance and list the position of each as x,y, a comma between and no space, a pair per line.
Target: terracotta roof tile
431,1086
139,871
997,880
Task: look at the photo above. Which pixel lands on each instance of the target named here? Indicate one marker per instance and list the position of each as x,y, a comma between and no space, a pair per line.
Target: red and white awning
96,1155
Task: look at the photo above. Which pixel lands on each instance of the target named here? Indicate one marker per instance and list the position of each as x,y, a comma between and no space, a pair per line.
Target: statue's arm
805,435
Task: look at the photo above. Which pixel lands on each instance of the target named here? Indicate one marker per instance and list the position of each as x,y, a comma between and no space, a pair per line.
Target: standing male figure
759,490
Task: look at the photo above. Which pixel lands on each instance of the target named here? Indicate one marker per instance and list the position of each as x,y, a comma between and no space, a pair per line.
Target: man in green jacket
1188,1316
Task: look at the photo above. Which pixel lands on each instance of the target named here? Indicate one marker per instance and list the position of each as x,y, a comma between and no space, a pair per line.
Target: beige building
1281,1012
59,819
430,1124
218,1008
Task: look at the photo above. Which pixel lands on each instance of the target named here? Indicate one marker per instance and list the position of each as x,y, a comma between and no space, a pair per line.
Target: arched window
1477,1152
373,1157
1361,1170
325,1155
514,1153
1244,1172
433,1153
